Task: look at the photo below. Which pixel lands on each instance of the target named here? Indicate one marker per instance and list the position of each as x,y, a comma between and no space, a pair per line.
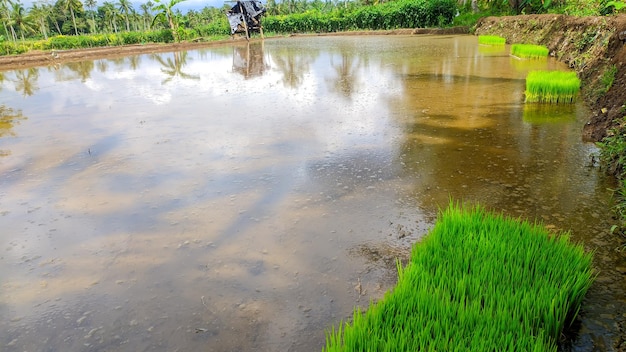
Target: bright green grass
491,40
529,51
528,65
552,87
477,282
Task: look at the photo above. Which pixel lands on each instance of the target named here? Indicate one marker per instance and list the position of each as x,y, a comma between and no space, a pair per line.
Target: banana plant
166,14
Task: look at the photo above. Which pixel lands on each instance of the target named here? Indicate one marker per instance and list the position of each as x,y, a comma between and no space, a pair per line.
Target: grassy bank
65,42
477,282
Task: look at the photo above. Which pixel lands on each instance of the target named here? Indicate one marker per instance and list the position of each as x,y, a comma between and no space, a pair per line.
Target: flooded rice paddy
248,197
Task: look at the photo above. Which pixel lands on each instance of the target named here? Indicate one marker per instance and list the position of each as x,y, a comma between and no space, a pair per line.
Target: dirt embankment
589,45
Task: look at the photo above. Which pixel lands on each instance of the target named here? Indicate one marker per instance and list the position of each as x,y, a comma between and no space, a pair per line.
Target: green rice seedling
529,51
558,87
491,40
477,282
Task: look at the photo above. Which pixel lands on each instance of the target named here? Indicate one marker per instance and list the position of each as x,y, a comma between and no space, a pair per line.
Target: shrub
132,38
389,15
216,27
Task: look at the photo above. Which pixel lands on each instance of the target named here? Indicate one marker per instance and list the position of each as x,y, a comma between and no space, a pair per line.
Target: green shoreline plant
64,42
477,282
554,87
529,51
387,15
491,40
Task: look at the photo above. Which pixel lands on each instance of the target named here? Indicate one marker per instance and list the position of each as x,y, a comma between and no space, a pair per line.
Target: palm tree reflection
8,119
72,71
347,78
293,63
102,65
134,62
26,81
173,66
81,69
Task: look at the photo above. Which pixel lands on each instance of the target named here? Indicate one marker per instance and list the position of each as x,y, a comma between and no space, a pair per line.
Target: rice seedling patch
477,282
555,87
529,51
491,40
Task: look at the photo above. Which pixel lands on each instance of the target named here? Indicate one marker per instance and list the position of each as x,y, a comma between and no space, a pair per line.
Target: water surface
248,197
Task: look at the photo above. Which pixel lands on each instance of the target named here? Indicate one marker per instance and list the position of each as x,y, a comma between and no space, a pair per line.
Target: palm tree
6,11
145,14
165,14
135,19
110,14
72,6
19,19
124,6
91,5
39,14
3,17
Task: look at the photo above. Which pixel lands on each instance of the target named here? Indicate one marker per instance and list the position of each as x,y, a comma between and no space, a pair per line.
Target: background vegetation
67,24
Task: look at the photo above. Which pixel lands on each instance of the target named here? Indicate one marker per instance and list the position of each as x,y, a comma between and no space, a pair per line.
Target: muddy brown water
248,197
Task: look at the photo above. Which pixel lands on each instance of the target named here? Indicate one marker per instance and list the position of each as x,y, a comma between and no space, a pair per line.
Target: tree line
74,17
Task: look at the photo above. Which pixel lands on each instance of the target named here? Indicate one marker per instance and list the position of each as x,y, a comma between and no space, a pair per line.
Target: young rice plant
558,87
477,282
529,51
491,40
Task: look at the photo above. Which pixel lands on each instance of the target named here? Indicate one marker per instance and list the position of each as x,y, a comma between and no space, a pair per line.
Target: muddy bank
589,45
